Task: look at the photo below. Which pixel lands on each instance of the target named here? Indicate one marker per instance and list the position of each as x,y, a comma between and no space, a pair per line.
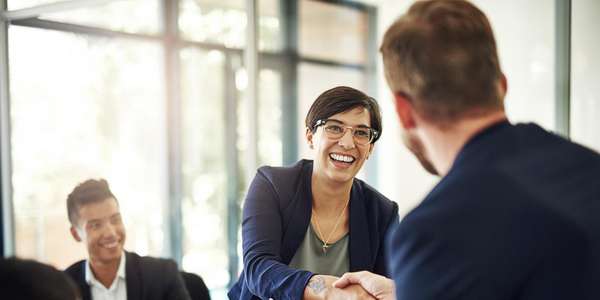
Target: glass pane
312,81
269,117
585,66
203,166
270,149
224,22
19,4
526,49
133,16
204,155
332,32
85,108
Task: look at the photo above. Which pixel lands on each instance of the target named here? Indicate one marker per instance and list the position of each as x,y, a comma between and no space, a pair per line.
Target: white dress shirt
116,291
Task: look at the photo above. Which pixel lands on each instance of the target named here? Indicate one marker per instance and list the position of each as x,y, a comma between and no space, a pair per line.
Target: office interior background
177,102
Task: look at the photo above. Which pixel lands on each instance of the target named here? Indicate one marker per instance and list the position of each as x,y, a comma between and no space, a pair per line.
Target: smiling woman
307,224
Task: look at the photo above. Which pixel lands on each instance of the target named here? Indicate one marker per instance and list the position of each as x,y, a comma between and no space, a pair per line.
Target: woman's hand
321,287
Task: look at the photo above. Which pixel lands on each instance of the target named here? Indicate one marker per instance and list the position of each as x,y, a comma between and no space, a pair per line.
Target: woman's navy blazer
275,218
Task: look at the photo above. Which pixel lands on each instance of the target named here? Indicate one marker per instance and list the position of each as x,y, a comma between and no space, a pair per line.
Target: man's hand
354,292
321,287
378,286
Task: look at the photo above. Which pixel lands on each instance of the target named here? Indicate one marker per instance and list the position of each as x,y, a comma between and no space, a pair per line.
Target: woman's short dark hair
89,191
341,99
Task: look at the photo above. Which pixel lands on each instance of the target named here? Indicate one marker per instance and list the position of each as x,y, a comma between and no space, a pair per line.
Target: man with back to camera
25,279
110,272
517,212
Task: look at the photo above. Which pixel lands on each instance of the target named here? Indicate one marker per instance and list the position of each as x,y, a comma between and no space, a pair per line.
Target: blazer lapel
84,287
297,216
132,277
360,239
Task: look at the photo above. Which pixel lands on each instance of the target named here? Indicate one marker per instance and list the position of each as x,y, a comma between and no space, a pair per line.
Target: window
132,16
84,107
203,169
223,22
98,100
20,4
333,32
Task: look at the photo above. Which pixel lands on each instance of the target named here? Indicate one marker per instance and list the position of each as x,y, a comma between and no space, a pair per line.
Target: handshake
356,285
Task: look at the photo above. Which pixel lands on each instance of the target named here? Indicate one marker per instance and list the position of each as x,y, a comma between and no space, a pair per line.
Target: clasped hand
358,285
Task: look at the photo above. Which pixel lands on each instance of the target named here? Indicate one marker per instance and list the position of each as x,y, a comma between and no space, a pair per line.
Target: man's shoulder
474,197
76,269
531,146
151,264
468,184
157,278
481,201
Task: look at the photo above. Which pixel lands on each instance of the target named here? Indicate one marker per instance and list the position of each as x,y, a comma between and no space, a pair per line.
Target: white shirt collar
89,275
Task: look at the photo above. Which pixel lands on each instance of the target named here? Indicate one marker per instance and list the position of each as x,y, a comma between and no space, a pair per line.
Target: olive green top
311,257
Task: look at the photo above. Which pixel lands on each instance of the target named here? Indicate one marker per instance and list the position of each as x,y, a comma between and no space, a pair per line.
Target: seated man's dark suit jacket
195,286
516,217
276,216
147,278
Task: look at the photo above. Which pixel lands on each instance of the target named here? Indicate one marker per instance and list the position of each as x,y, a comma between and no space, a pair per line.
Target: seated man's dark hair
89,191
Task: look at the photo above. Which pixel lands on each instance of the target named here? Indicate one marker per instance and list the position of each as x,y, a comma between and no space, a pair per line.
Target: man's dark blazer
147,278
276,216
516,217
195,286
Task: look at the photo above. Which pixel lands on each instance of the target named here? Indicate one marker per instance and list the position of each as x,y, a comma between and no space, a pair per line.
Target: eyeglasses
336,130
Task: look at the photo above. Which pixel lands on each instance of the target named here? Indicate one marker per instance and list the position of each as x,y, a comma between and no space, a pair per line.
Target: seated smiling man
110,272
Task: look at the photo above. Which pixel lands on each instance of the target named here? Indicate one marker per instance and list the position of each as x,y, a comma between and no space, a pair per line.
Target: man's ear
309,138
405,110
503,85
75,234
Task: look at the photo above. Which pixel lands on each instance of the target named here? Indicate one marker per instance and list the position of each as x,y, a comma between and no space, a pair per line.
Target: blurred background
177,102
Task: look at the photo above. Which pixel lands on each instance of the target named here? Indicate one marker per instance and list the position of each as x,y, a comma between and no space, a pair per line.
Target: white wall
585,73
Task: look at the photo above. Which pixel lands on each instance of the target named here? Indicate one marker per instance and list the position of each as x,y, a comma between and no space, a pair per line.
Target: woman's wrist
318,286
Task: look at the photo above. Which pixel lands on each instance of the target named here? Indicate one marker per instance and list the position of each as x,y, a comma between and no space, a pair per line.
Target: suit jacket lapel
360,239
84,287
297,216
132,277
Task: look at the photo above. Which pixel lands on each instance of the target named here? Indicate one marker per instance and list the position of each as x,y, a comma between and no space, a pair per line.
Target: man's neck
444,144
105,273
